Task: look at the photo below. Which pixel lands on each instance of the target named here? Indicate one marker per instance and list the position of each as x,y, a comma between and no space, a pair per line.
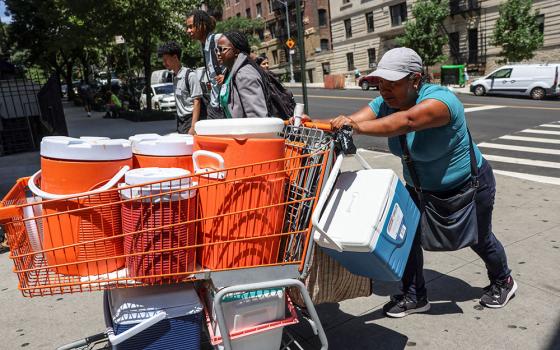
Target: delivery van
535,80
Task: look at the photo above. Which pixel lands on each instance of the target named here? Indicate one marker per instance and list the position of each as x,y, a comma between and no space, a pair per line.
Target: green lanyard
224,97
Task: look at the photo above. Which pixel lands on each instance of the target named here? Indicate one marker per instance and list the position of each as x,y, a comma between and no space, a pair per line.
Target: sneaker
403,305
499,293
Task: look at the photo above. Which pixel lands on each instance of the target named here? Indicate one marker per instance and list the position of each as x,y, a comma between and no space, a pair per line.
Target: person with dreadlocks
200,26
243,93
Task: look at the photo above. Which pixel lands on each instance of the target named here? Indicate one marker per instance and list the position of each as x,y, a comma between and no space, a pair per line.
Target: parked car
163,97
369,81
535,80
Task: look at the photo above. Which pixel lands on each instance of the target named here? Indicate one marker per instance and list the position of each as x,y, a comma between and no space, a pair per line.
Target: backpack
280,102
203,107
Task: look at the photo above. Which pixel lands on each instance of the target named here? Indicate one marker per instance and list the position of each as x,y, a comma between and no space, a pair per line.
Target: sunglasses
222,49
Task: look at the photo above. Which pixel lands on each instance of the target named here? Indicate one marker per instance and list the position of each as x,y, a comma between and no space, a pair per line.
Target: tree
424,34
517,31
245,25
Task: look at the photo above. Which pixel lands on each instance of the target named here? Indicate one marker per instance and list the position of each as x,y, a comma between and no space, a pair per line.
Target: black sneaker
499,293
403,305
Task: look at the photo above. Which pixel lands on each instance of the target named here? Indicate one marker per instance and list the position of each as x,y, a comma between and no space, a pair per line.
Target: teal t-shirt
440,155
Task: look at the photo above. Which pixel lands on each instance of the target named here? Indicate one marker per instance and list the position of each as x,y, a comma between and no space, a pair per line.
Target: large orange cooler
71,166
228,143
161,226
168,151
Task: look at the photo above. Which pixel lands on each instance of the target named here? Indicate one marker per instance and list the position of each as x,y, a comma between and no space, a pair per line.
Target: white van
535,80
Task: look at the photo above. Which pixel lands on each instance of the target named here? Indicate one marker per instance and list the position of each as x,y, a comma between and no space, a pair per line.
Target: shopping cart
264,216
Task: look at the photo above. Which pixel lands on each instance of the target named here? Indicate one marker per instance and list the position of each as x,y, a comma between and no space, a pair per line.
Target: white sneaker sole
409,312
510,294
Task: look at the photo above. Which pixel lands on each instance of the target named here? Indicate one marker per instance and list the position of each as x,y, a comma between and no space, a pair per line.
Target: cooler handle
218,175
325,193
140,327
45,195
316,217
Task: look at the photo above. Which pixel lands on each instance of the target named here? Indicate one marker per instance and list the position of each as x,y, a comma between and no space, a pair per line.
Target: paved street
526,220
519,136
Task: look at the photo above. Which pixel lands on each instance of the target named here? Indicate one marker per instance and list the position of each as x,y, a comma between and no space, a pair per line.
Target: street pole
301,46
292,80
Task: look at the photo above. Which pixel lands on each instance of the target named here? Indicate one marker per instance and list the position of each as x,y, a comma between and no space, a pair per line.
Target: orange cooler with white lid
227,143
168,151
241,141
72,166
158,221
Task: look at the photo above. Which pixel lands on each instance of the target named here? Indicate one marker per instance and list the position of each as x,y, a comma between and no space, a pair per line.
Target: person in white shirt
186,87
200,26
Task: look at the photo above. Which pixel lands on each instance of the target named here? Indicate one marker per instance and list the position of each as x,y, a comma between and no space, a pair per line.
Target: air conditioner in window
317,50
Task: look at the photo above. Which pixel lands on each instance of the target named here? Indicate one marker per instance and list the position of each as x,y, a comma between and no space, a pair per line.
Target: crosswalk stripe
521,161
519,148
551,125
537,178
544,132
529,139
481,108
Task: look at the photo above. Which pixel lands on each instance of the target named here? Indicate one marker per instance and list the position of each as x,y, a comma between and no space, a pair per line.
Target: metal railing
460,6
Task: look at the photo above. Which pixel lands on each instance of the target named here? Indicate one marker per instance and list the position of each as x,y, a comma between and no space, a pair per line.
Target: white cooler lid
144,175
168,145
86,148
133,305
355,212
239,127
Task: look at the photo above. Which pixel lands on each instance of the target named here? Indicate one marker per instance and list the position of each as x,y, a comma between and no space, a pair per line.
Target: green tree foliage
244,25
517,31
424,34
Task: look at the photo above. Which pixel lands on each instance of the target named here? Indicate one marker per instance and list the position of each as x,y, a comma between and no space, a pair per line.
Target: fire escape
474,56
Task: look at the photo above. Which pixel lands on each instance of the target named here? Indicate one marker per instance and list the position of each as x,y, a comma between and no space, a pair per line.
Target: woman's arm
249,85
427,114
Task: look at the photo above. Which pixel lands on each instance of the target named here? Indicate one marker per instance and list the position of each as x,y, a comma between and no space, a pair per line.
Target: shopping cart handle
140,327
316,217
325,126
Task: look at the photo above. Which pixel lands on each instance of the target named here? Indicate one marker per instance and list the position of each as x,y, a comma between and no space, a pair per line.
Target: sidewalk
353,86
526,221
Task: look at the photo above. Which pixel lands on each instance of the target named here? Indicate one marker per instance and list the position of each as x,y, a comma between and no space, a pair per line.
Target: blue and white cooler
155,317
368,222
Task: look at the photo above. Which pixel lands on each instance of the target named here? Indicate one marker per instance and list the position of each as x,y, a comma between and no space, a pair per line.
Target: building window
540,22
372,59
350,60
454,47
322,18
270,6
398,14
248,13
238,14
348,27
326,68
260,33
369,22
237,1
275,57
345,1
272,29
325,45
259,10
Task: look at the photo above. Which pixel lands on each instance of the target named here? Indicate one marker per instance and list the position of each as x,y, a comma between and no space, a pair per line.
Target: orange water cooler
72,166
227,143
158,225
168,151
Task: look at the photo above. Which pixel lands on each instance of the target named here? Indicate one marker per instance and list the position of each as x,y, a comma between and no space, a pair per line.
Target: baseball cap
398,63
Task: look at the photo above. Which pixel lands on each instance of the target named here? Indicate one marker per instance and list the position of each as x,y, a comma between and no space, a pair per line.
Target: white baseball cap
398,63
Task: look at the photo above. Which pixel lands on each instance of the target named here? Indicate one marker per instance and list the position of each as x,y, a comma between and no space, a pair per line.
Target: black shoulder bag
446,224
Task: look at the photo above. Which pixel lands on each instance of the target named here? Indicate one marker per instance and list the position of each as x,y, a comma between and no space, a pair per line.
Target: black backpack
280,102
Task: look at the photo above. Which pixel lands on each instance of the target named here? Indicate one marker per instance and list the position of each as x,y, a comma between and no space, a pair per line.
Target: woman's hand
342,120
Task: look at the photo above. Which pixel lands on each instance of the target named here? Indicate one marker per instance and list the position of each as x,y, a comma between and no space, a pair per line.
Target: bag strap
411,169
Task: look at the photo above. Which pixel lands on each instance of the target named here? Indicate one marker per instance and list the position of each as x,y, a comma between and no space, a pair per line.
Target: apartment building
362,30
316,21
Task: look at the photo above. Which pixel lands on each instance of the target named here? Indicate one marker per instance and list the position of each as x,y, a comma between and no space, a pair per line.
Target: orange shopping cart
263,241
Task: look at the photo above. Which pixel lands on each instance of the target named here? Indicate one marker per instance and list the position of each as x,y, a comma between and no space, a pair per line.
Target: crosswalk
530,154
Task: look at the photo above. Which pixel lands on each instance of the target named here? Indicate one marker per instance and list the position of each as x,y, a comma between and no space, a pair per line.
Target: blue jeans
488,247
